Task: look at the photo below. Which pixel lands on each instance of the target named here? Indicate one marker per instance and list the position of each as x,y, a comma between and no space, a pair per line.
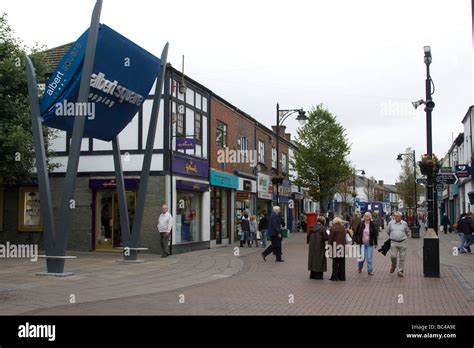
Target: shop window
197,127
284,163
221,134
261,151
180,120
188,217
274,158
29,218
244,147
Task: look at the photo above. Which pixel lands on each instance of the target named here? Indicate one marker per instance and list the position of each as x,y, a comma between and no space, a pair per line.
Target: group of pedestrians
249,228
363,233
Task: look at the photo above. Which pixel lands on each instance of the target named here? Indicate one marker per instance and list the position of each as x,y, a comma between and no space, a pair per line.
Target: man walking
165,224
398,233
274,231
445,223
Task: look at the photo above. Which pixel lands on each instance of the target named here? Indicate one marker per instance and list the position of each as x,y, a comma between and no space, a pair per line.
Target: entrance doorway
108,234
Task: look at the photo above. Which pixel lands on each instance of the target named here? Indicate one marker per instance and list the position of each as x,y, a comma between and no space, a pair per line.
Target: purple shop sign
185,143
191,186
111,183
190,166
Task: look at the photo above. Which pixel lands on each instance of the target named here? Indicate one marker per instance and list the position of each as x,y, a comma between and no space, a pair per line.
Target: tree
16,137
321,159
406,179
369,189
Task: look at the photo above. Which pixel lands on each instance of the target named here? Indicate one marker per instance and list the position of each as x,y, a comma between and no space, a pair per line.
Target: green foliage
406,179
16,138
321,159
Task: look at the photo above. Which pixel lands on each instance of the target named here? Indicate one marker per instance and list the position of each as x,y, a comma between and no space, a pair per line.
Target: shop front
264,194
286,203
191,204
245,201
106,229
222,188
297,197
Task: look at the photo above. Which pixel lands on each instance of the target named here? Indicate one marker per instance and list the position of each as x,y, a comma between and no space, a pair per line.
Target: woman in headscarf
317,263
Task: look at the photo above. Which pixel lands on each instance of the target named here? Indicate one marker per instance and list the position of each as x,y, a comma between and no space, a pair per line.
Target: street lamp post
412,156
281,117
355,193
429,105
430,241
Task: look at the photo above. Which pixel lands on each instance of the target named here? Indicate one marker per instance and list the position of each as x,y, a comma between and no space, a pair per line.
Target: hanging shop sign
122,76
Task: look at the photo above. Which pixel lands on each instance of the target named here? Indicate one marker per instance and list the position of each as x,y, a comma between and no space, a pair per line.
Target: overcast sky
362,59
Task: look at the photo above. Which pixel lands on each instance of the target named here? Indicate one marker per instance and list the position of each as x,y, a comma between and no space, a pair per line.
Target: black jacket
263,224
385,247
445,221
274,226
466,225
359,232
245,225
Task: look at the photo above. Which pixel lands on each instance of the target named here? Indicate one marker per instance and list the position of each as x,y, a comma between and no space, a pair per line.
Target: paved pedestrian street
216,282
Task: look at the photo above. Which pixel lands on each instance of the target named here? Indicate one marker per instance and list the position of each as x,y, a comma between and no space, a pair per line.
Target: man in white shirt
398,232
165,224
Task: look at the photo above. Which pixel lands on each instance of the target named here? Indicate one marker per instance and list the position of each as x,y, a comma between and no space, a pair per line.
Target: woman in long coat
337,237
317,263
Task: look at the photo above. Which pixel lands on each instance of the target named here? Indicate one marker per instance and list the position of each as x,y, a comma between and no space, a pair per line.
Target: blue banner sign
224,179
185,143
122,77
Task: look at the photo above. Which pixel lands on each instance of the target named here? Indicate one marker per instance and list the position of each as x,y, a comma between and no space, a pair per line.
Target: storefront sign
191,186
122,76
264,188
224,179
462,170
264,195
242,195
185,143
285,191
247,185
190,166
297,196
111,183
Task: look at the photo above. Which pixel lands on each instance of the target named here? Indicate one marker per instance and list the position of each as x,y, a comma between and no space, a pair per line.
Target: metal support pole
431,262
414,188
41,167
145,174
278,153
73,161
122,200
429,186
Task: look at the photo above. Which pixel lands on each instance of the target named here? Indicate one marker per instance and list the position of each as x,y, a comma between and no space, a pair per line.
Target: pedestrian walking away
244,230
253,231
337,237
263,228
317,263
365,236
398,232
466,227
165,225
274,231
445,223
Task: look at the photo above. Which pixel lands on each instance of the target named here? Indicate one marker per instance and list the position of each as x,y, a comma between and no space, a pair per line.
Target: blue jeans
368,253
462,242
244,235
469,240
263,236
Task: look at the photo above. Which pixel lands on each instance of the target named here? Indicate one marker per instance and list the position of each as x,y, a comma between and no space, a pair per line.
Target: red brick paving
264,288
